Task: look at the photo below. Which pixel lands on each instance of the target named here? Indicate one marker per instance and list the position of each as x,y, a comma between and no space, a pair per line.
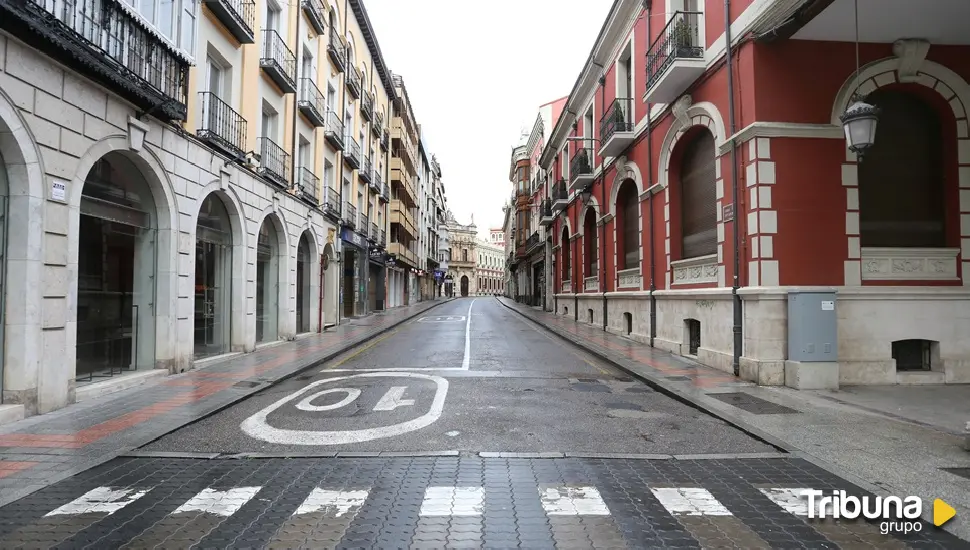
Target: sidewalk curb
12,495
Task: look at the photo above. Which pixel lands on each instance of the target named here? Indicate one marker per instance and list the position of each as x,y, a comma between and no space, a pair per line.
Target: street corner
354,409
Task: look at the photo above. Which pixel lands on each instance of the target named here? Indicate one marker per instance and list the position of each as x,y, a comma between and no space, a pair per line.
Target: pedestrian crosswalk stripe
222,503
573,501
689,501
336,503
790,499
453,501
101,500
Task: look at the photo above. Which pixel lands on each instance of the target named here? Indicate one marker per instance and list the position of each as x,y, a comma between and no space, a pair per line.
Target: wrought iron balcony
351,152
560,196
312,103
377,127
581,169
274,162
362,223
309,185
378,184
616,127
337,51
383,240
316,14
354,81
364,173
676,57
349,216
367,107
532,241
331,203
238,16
545,213
385,140
102,41
278,61
375,233
385,193
221,126
333,130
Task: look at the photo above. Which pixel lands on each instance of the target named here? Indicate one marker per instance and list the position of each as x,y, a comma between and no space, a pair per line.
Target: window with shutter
901,191
698,198
589,239
629,206
564,248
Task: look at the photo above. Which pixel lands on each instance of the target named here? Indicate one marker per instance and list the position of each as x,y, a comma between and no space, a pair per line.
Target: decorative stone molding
136,134
782,129
700,270
679,109
567,286
629,278
909,264
591,283
605,219
911,53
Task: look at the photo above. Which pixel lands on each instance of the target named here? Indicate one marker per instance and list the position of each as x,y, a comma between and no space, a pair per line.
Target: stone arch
352,51
703,114
951,86
628,170
286,313
313,273
595,207
240,246
567,224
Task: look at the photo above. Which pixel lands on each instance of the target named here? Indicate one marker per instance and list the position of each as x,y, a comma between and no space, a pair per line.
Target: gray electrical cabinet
812,327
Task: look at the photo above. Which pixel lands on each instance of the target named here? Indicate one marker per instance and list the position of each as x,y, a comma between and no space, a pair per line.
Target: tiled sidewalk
880,452
43,449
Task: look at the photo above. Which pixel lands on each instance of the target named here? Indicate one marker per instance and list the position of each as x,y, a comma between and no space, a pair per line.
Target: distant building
464,259
491,268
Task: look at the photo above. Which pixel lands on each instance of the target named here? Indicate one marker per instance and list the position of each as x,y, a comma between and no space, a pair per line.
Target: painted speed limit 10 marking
257,426
442,319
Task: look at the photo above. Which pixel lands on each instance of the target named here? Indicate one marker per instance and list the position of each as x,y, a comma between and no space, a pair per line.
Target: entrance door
303,286
267,283
350,268
464,285
213,279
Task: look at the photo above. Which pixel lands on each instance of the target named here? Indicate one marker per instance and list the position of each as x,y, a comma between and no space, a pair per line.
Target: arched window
628,207
698,198
589,242
564,249
464,254
901,191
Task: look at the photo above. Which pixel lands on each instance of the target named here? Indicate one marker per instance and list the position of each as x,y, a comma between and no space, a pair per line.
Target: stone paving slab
444,502
43,449
882,454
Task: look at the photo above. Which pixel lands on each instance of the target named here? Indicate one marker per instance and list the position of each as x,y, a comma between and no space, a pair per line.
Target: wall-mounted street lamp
860,120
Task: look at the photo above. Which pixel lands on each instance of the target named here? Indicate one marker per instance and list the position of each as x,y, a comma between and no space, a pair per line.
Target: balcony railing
616,127
333,130
378,183
239,18
363,224
545,212
349,215
679,40
365,172
581,168
385,192
331,203
309,185
102,41
351,152
377,127
385,140
375,233
316,13
221,126
532,241
312,103
274,162
367,107
383,241
278,61
337,51
353,81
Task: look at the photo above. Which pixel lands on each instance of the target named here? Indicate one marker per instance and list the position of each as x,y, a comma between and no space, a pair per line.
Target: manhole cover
962,472
752,404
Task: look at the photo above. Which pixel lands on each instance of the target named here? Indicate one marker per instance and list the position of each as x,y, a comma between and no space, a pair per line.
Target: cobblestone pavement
441,502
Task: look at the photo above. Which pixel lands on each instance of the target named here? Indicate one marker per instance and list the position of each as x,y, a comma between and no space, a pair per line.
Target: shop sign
354,238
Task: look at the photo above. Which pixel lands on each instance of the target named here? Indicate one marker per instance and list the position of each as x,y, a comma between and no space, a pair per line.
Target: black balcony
581,168
378,183
309,185
337,51
545,212
312,103
532,241
274,162
616,127
385,140
349,216
385,193
367,107
363,224
104,42
377,127
278,61
316,14
221,126
331,203
333,130
354,81
679,40
239,18
365,173
560,196
374,234
383,241
351,152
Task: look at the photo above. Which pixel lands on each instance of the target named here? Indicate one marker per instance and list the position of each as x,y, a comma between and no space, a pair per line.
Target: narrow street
466,427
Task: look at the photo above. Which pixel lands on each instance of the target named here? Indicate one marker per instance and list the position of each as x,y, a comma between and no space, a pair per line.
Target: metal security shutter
698,198
631,225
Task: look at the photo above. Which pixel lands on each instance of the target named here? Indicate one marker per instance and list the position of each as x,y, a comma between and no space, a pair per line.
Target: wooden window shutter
698,198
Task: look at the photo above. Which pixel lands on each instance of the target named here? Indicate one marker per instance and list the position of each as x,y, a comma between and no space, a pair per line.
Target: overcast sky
476,73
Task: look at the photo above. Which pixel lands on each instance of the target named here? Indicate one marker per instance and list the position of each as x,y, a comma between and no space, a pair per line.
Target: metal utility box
812,327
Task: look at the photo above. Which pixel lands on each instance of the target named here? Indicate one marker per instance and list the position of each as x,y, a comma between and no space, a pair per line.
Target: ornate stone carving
911,53
909,264
136,134
591,284
695,271
629,278
567,286
679,110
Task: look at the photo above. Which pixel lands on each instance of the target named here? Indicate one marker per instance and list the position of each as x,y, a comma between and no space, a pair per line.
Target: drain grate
962,472
752,404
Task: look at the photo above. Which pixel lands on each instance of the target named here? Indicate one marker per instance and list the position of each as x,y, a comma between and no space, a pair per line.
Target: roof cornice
367,29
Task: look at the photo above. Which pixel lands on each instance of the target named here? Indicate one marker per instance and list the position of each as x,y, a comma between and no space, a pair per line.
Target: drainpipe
296,99
340,182
322,286
732,123
602,240
653,256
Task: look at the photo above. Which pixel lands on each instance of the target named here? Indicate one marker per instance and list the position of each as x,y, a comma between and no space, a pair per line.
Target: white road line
468,338
102,500
453,501
573,501
221,503
689,501
332,503
352,394
393,399
791,500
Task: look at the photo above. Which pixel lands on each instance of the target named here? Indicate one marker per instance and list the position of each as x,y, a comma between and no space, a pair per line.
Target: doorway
350,281
303,285
213,279
464,285
267,283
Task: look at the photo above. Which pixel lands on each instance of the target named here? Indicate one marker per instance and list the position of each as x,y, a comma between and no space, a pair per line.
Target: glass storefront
213,279
116,271
267,284
303,285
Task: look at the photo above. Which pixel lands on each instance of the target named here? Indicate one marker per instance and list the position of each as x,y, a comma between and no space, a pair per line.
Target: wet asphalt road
521,390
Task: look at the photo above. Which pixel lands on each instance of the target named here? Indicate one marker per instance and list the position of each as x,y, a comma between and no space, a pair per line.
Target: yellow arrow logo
942,512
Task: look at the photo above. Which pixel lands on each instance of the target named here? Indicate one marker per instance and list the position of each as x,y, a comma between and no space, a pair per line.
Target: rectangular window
190,8
217,80
269,120
272,17
328,174
331,98
305,158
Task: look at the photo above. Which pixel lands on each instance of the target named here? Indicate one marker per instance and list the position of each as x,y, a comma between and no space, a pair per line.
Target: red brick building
645,210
